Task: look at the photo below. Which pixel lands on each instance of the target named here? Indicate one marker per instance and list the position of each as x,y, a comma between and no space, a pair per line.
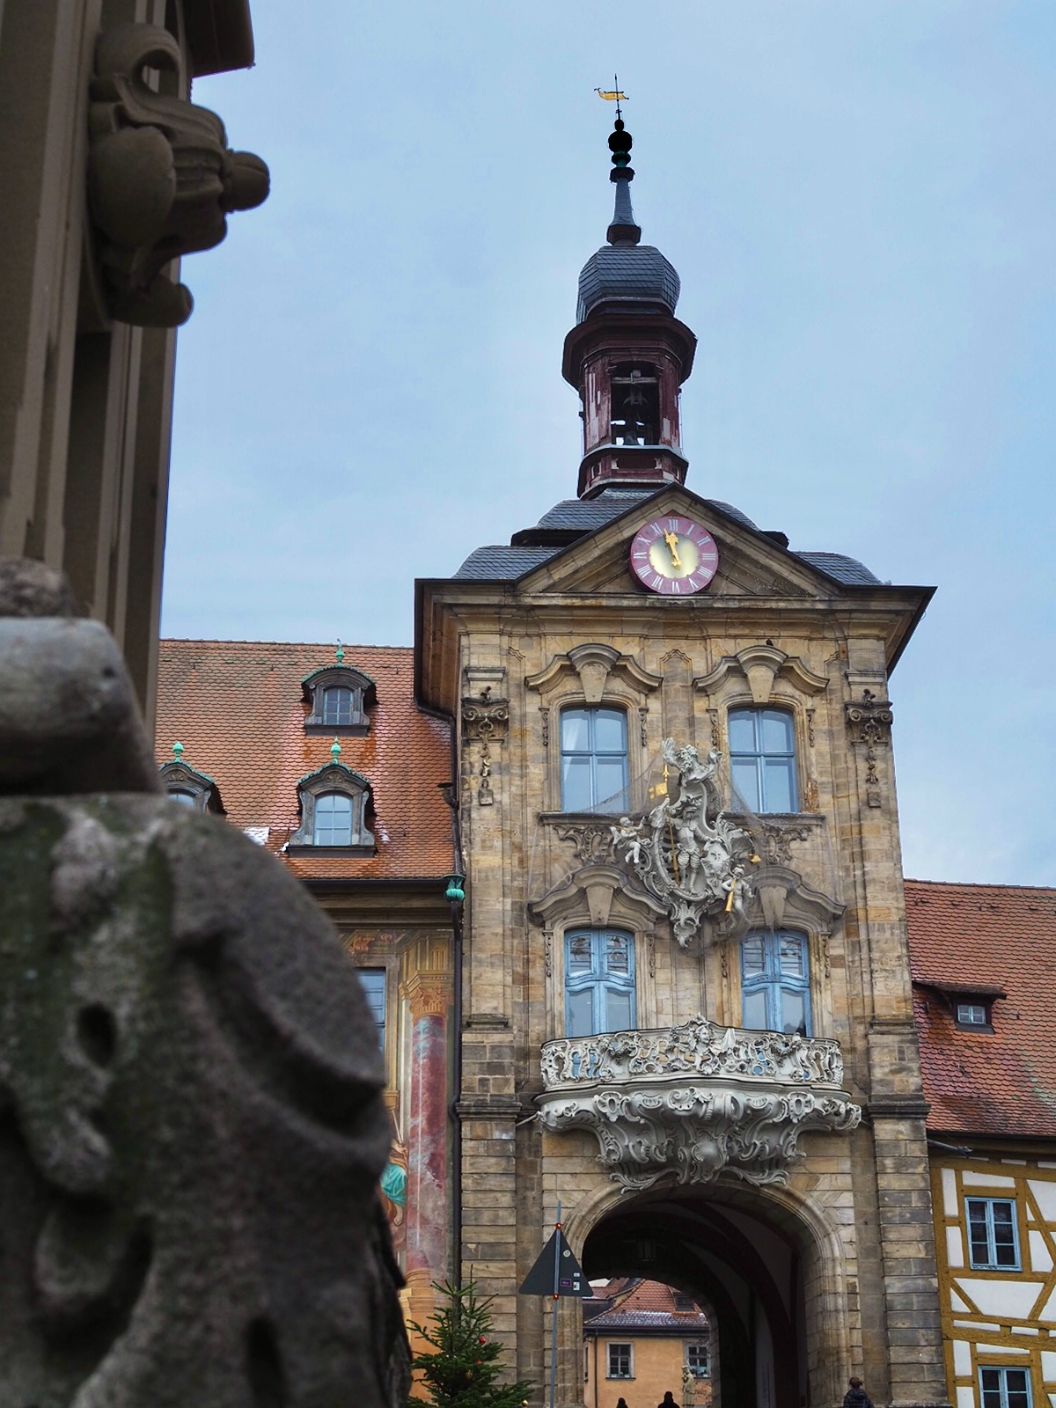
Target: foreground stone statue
191,1122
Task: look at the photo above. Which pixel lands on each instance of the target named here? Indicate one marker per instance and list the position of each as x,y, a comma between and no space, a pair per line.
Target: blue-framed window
333,820
599,982
1004,1388
993,1238
593,760
372,981
763,759
337,704
775,983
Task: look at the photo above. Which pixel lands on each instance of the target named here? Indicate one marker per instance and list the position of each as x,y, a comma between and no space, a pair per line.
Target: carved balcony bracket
691,1103
161,178
761,665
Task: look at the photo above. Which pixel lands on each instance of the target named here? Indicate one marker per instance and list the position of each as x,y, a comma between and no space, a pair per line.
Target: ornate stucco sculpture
687,852
161,177
192,1125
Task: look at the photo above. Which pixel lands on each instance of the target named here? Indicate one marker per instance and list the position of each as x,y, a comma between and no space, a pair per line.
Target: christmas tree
462,1370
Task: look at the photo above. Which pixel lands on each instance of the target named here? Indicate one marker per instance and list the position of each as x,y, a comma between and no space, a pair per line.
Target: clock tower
628,354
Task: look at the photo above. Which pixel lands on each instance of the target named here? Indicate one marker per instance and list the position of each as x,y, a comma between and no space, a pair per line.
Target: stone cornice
594,664
761,665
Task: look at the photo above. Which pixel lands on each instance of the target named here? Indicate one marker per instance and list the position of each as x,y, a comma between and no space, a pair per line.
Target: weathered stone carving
485,718
870,720
695,866
192,1125
692,1102
777,841
591,841
161,178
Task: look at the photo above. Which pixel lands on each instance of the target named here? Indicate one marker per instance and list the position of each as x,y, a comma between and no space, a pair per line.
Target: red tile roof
994,937
238,710
648,1305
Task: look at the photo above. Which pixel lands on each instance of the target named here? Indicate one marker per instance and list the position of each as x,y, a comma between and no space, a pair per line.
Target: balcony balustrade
691,1102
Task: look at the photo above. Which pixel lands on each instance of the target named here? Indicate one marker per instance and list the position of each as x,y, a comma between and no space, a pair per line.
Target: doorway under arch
757,1260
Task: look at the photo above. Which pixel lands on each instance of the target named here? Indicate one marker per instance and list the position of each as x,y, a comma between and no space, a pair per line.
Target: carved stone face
191,1126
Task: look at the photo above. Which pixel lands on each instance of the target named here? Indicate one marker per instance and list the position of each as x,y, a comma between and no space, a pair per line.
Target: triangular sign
556,1272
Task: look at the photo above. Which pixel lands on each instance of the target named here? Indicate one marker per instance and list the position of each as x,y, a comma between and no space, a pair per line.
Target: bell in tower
628,354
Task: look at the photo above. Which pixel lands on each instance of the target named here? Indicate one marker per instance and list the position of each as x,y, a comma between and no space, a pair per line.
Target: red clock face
674,556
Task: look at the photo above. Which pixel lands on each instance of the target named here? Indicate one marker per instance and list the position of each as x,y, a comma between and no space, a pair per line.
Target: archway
754,1257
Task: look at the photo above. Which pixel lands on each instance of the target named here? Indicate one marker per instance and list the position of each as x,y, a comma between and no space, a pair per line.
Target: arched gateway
767,1264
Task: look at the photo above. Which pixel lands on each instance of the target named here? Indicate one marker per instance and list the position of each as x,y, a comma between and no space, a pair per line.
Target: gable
749,563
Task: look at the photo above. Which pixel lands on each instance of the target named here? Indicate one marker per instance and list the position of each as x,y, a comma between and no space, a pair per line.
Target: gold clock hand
671,539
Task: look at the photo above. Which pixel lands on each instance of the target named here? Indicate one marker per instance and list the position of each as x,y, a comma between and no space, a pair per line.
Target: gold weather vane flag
611,95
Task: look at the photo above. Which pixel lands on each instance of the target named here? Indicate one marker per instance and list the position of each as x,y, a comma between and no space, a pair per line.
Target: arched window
599,982
775,983
182,798
337,704
763,759
333,820
593,760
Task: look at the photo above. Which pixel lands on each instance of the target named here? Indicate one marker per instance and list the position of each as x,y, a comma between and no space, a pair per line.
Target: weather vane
613,95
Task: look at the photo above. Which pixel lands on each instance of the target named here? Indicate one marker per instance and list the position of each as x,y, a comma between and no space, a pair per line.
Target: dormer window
338,698
188,787
336,804
971,1005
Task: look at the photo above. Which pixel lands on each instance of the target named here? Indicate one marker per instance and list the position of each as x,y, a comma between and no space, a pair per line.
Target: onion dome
624,273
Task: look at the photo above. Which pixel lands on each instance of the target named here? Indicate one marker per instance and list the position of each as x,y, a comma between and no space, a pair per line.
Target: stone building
641,1339
109,175
685,938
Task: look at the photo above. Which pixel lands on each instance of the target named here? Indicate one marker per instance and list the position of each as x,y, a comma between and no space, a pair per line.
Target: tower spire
624,229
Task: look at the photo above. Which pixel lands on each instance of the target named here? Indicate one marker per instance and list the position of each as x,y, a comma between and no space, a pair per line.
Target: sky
860,200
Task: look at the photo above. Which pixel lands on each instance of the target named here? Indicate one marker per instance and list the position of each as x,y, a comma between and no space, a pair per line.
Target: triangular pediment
749,563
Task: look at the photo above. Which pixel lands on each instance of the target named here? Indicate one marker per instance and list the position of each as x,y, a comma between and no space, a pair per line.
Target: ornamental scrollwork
692,1134
777,841
591,841
687,852
696,1048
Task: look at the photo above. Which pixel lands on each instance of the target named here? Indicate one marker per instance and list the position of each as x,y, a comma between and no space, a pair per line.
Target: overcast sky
860,201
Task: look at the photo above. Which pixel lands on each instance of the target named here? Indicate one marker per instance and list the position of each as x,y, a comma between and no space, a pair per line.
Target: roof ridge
299,644
979,885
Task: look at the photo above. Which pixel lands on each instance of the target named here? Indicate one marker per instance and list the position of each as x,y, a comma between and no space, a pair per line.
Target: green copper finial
177,752
340,653
335,751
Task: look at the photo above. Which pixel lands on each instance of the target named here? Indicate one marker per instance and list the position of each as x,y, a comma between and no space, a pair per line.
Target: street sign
556,1272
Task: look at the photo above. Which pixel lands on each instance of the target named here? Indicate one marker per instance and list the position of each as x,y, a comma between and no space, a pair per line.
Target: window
698,1364
775,983
621,1364
599,982
333,820
972,1014
763,759
182,798
336,806
992,1241
338,698
372,981
337,705
1005,1388
187,787
593,760
635,405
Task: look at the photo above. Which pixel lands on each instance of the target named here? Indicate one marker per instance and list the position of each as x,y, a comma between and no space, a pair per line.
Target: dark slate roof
500,563
626,273
847,570
574,518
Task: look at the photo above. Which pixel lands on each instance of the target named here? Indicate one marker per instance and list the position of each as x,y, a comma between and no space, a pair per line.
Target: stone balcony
688,1103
